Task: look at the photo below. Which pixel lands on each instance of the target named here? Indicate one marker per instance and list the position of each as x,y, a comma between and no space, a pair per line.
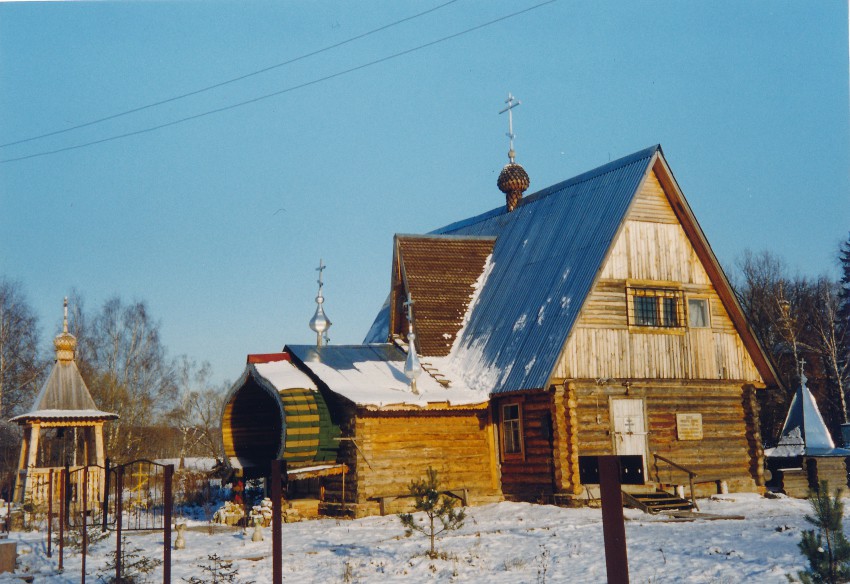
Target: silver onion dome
320,323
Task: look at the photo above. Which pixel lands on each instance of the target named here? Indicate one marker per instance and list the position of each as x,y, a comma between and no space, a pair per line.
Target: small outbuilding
806,453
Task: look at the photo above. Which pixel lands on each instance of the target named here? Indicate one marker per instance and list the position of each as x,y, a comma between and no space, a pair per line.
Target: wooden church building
588,318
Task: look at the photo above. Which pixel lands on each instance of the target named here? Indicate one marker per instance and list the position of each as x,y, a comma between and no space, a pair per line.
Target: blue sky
219,222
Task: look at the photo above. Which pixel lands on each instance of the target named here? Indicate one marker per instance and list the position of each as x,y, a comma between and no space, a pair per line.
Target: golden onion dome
65,342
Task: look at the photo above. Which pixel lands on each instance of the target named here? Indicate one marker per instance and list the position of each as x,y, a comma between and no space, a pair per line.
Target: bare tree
127,369
21,368
797,320
830,338
198,414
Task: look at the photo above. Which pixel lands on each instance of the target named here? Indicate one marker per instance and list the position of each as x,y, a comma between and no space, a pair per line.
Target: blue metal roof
546,257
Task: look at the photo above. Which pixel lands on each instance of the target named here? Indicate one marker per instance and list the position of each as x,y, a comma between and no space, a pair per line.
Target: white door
629,425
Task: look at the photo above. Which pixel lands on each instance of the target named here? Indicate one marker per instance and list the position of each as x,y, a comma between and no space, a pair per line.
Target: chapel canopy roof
64,396
804,432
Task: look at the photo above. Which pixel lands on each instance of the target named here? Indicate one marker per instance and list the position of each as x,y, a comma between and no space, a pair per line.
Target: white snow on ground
505,542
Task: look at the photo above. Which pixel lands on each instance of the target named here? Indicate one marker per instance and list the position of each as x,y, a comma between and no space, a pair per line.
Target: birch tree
127,369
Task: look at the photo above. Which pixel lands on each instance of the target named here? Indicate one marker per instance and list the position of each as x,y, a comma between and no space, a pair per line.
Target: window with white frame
698,316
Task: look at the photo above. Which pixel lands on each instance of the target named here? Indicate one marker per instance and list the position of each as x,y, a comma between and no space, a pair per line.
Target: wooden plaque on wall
689,426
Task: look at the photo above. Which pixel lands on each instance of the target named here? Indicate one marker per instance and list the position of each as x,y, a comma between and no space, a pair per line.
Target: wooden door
629,427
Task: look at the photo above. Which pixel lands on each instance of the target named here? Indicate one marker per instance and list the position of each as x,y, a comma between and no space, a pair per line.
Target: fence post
613,527
277,560
119,519
105,495
50,514
83,520
62,505
166,553
67,496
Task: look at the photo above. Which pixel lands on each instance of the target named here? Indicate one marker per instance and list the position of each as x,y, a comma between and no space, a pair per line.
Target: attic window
656,307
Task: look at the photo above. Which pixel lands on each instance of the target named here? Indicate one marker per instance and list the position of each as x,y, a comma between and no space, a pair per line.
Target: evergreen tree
826,548
134,566
426,496
844,292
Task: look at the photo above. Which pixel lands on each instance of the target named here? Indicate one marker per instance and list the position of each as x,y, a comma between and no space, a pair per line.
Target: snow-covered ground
505,542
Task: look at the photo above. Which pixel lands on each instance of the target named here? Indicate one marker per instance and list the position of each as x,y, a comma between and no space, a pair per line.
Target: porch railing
691,475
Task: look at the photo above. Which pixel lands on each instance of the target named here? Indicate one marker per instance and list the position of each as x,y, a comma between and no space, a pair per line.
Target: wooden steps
656,502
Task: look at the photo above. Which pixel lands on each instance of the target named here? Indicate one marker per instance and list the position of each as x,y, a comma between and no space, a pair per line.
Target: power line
282,91
229,81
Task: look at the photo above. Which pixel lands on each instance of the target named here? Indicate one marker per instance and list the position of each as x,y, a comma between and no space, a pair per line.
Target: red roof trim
268,357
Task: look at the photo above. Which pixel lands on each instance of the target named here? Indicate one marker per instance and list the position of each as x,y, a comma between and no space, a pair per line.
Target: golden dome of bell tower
65,342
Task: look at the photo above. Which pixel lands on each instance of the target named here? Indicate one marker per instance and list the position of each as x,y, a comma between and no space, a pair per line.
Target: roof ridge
546,191
446,236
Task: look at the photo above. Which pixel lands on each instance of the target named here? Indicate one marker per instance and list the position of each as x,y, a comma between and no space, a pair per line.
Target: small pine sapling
134,566
826,548
218,571
426,498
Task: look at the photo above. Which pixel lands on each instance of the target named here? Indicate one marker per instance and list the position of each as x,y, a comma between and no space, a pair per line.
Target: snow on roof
284,375
64,415
373,375
804,432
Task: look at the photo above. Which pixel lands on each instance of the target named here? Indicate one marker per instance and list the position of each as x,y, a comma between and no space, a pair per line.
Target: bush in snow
426,498
826,548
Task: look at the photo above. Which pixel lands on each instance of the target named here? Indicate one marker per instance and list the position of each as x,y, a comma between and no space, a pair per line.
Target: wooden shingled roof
440,273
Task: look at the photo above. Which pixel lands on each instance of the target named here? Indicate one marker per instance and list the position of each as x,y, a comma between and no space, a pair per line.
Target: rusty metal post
50,514
119,519
83,525
613,526
277,558
67,496
166,552
62,505
105,496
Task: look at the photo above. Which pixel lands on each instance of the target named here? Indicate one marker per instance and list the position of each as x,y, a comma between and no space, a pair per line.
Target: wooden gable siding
395,448
652,248
730,448
529,476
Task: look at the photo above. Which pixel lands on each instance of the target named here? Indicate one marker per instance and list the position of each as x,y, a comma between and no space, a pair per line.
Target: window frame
503,430
707,301
656,315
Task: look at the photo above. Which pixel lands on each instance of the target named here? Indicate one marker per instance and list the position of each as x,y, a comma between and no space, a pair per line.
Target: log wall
530,475
726,450
389,449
